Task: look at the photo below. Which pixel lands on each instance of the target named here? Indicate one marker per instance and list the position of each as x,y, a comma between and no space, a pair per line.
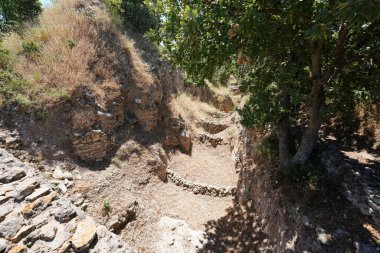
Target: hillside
106,147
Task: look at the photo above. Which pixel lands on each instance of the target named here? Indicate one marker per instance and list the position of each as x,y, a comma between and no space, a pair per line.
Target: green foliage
30,49
14,12
11,90
137,14
106,206
134,13
5,58
268,149
268,47
117,162
71,43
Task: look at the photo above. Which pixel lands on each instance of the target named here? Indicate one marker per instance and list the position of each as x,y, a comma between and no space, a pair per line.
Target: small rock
185,141
323,237
67,175
306,221
62,188
25,188
23,232
84,235
47,233
12,175
65,247
58,174
65,213
339,232
10,226
44,190
19,249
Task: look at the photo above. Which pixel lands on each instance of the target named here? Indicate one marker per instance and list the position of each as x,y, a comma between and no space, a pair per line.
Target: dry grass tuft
190,108
68,48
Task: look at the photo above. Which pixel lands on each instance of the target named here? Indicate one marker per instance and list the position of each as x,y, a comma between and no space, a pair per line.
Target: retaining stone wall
200,188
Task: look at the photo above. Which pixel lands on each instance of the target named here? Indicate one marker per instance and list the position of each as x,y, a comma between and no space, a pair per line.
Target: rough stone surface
212,126
224,103
8,176
185,140
92,146
84,235
46,223
10,226
360,184
65,213
197,188
3,244
177,236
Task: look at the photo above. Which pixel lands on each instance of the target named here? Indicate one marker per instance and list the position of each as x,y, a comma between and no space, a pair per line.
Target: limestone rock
177,236
11,175
23,232
25,188
5,210
323,237
185,140
118,222
19,249
10,226
44,190
32,209
58,173
4,199
47,232
212,126
3,244
65,213
84,235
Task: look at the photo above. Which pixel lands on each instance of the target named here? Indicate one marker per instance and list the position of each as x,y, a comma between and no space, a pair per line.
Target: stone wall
34,217
91,146
254,186
197,188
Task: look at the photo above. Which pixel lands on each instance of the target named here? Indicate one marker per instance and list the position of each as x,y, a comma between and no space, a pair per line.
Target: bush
138,15
30,48
11,90
5,58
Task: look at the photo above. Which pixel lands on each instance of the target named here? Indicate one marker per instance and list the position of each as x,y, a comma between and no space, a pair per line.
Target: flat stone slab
84,235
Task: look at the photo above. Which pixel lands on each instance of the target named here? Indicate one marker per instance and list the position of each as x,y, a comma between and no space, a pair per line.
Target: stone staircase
34,217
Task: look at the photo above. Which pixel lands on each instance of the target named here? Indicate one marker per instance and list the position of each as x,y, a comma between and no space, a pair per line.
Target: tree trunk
310,136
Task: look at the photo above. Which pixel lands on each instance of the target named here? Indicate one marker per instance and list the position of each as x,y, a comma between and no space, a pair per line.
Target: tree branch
338,53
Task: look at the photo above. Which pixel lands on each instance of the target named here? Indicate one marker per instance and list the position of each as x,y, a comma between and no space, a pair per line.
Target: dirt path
206,164
157,200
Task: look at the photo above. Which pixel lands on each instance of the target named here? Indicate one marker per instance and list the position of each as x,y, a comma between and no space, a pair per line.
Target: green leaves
14,12
266,46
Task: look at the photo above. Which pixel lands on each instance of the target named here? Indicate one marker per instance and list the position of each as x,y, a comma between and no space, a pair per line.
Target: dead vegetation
191,109
70,46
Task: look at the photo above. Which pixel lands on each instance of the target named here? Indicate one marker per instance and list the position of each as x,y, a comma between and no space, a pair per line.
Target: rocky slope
35,217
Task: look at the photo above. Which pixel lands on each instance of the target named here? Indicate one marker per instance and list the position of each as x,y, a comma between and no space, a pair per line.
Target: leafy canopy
14,12
267,45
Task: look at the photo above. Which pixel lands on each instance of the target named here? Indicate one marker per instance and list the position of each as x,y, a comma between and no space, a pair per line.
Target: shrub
117,162
11,89
106,206
268,148
30,48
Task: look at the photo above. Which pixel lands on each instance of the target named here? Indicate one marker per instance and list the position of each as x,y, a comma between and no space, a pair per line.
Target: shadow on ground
239,230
